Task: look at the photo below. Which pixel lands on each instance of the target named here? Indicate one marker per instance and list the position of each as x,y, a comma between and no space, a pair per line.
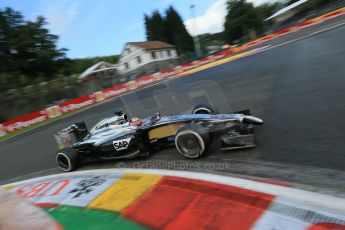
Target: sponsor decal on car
121,144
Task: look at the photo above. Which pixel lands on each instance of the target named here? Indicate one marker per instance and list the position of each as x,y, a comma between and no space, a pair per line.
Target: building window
139,59
168,52
153,54
127,50
126,65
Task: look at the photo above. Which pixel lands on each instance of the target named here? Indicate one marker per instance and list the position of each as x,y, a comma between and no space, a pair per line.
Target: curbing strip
306,197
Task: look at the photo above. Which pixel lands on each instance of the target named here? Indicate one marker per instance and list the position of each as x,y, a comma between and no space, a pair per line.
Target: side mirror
118,113
121,113
155,118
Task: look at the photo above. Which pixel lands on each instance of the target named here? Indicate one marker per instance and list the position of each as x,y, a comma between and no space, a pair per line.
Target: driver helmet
135,121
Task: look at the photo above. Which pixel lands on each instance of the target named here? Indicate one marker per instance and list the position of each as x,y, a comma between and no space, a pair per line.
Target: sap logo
121,144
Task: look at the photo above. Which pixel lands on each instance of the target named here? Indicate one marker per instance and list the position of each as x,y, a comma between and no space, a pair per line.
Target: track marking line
265,48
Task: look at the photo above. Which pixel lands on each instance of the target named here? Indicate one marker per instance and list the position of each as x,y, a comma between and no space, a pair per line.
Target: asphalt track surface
297,88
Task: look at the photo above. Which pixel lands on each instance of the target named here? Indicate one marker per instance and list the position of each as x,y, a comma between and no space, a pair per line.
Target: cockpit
111,122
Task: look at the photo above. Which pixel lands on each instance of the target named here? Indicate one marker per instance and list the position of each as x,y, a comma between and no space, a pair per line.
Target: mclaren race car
120,137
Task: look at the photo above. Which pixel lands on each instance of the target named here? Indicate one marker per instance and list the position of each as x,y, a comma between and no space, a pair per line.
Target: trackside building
138,57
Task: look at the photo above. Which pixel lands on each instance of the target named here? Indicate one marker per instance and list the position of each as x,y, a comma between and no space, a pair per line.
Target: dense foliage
244,21
168,28
28,52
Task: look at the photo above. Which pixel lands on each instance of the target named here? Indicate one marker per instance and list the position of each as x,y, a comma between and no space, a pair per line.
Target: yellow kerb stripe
9,187
123,192
215,63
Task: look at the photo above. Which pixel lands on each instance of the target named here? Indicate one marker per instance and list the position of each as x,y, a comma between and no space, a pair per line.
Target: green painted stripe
71,217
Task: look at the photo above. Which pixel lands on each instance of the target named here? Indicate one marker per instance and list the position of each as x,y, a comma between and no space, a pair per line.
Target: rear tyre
67,159
204,109
192,140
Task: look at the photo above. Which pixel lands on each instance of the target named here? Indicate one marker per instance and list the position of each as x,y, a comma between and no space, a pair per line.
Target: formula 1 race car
120,137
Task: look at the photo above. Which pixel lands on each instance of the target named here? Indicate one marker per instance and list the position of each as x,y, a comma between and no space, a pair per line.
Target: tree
28,51
148,27
10,22
169,28
265,10
176,31
155,27
241,20
37,50
291,2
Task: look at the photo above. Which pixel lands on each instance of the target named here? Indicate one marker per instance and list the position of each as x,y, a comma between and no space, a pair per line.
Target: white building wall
173,53
146,57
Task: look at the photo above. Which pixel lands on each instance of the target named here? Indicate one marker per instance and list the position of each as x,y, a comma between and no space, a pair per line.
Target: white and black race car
120,137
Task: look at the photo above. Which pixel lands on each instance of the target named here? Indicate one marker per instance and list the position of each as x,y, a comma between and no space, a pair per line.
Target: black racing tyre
192,140
204,109
67,159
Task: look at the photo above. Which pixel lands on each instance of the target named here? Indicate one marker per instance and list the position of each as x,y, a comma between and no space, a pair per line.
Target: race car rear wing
70,135
64,139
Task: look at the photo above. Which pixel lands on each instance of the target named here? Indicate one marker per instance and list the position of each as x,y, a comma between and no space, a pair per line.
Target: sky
89,28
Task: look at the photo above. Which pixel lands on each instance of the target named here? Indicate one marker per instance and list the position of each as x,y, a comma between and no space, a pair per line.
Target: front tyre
67,159
204,109
192,140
